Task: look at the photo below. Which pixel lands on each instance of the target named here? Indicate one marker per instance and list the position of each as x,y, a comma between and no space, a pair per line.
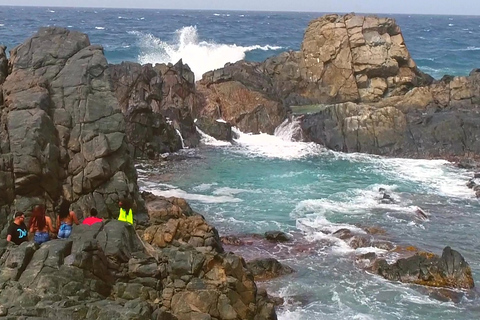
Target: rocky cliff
62,131
157,102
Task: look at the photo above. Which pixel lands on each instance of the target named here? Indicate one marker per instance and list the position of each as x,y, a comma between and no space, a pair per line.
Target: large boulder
450,270
62,131
357,58
157,103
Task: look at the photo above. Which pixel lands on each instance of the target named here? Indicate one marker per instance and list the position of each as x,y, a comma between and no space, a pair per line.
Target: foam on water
211,141
437,176
272,146
201,56
177,192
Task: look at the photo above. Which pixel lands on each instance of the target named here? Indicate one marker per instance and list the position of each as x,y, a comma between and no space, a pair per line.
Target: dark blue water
439,44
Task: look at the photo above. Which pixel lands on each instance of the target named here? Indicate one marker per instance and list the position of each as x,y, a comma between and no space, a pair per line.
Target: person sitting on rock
126,213
17,231
65,220
93,218
40,224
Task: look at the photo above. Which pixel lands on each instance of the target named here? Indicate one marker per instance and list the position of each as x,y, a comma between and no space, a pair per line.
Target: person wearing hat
17,231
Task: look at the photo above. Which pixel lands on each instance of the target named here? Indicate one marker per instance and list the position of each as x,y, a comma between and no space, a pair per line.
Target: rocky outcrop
450,270
268,268
343,59
440,120
248,108
106,271
357,58
157,103
62,132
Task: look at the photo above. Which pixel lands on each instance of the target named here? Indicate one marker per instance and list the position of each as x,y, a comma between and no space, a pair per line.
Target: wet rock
450,270
268,268
277,236
231,240
219,129
156,102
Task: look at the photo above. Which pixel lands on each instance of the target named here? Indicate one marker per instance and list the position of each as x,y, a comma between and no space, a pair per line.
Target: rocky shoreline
72,126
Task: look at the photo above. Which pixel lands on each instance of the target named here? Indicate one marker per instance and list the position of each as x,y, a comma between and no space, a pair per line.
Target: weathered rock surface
157,103
450,270
106,271
343,58
440,120
62,132
268,268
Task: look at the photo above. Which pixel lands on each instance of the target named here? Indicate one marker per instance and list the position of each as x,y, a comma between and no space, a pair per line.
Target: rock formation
440,120
343,58
450,270
62,133
105,271
157,103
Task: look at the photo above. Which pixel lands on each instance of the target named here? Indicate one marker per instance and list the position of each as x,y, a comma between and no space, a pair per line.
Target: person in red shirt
93,218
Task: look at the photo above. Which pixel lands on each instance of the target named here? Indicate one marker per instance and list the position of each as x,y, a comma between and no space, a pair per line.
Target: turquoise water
264,183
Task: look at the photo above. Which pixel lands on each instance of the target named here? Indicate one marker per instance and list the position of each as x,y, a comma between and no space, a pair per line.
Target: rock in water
450,270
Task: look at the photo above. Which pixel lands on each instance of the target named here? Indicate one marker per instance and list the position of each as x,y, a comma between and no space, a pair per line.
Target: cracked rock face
62,132
157,103
357,58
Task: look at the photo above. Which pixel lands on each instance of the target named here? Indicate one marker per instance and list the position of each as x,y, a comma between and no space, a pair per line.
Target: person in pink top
93,218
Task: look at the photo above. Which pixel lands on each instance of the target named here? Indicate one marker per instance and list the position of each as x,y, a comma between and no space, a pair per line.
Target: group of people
41,225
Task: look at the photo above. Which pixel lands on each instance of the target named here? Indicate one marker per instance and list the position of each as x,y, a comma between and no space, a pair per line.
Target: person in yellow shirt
126,213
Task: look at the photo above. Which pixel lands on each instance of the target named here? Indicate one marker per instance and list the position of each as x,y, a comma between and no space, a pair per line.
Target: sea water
272,182
261,183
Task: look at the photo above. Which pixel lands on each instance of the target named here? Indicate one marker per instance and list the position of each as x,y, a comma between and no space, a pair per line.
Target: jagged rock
62,133
268,268
250,110
105,271
156,101
450,270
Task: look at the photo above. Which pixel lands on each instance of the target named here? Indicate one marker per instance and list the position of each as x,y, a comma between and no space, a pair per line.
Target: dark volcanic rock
268,268
277,236
449,270
220,130
62,133
157,102
105,271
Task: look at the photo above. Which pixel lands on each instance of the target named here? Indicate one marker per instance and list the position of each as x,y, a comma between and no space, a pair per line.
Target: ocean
270,182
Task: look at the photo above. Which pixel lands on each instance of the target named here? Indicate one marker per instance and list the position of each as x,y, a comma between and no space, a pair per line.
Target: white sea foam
437,176
211,141
227,191
265,145
203,187
201,56
176,192
100,28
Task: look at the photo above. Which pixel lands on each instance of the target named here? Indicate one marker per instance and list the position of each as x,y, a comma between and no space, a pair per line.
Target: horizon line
244,10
